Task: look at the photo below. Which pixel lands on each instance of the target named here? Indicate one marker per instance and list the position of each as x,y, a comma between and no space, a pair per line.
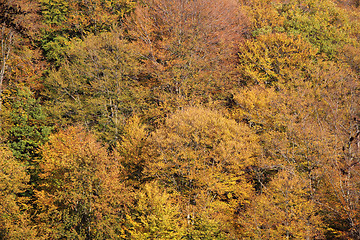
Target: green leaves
55,12
99,87
324,24
27,126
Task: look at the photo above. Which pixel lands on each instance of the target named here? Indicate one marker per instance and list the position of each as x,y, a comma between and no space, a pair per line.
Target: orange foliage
81,192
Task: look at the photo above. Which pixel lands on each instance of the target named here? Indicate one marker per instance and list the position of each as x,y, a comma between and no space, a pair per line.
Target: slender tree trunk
6,42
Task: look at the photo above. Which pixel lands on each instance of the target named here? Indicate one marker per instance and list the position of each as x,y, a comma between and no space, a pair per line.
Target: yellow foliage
157,215
14,218
284,210
275,59
202,155
80,180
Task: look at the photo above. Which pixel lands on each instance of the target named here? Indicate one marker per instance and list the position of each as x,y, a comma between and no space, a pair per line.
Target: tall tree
81,195
275,59
14,214
283,210
68,20
202,155
133,151
186,44
25,124
20,61
9,25
99,87
156,215
321,22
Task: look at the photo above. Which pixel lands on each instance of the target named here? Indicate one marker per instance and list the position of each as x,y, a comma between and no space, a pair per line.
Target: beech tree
16,35
275,59
81,195
202,155
133,151
284,210
68,20
14,211
156,215
100,87
185,44
8,27
322,23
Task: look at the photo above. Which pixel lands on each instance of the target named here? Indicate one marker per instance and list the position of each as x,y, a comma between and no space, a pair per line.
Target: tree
202,156
73,20
9,25
133,151
275,59
99,87
284,210
25,124
309,18
20,61
14,212
322,23
188,47
81,195
156,215
6,43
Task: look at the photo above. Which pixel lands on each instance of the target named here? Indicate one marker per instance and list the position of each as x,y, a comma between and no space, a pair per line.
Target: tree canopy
164,119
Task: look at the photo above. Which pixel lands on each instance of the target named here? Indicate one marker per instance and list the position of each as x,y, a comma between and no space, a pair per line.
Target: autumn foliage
178,119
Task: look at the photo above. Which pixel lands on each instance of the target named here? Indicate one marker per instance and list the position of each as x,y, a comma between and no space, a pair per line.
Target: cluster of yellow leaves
284,210
157,215
81,192
14,218
275,59
202,155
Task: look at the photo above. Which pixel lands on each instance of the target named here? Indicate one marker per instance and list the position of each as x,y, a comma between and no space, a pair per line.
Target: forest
179,119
